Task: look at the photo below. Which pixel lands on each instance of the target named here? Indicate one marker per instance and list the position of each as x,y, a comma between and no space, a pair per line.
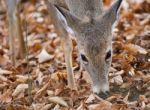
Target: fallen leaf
148,1
58,100
81,107
119,107
90,99
4,60
136,48
44,56
126,98
19,89
6,72
50,93
3,78
117,73
39,92
38,106
6,96
9,107
47,107
21,78
117,80
40,76
132,72
57,107
104,105
143,98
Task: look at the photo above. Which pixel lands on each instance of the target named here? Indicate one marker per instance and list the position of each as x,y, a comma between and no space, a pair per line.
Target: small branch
30,99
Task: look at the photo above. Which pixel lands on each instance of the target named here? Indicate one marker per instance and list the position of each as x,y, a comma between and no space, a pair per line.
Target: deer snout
102,90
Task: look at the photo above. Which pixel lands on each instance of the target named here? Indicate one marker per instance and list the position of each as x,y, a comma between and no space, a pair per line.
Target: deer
92,27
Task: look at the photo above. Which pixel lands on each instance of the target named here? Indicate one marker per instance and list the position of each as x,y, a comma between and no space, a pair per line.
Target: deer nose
101,90
103,95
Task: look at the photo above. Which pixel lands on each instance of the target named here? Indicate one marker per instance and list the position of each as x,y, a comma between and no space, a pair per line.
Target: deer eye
84,58
108,55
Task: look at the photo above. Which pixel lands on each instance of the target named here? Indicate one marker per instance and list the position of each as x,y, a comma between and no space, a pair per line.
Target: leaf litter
129,75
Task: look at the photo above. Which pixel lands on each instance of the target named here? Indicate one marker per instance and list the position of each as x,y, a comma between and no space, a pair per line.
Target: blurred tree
15,31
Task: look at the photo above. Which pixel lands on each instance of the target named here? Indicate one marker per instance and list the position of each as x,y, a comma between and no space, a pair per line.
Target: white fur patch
100,88
96,89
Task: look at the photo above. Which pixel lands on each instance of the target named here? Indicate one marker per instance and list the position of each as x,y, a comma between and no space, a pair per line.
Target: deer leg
67,46
61,29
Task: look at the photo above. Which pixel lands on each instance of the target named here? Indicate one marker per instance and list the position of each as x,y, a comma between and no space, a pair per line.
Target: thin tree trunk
16,40
19,33
10,10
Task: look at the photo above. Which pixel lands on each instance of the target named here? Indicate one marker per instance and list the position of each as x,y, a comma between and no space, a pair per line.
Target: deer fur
92,27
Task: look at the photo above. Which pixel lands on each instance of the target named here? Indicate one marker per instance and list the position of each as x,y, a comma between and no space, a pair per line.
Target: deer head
94,39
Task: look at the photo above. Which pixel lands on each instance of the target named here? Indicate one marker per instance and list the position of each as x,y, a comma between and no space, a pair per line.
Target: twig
30,99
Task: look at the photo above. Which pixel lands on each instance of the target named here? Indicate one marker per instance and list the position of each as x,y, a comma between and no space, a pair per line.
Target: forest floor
129,74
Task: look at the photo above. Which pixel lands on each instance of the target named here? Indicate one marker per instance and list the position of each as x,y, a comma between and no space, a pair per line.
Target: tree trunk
16,40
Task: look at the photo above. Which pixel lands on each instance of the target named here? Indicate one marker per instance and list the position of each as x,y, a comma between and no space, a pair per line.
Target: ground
129,74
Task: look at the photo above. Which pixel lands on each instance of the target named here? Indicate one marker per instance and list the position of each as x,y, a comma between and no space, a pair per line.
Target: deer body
92,27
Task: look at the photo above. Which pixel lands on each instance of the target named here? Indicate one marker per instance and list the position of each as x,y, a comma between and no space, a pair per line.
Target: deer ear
112,13
71,19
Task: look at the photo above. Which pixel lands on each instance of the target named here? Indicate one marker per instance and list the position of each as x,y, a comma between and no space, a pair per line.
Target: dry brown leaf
58,100
132,72
47,107
40,76
119,107
57,75
143,98
112,70
126,85
6,72
80,107
111,98
44,56
6,96
9,107
104,105
19,89
90,99
146,78
22,78
117,73
148,1
57,107
50,93
117,80
126,98
147,107
3,78
38,106
136,48
4,60
43,89
58,91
